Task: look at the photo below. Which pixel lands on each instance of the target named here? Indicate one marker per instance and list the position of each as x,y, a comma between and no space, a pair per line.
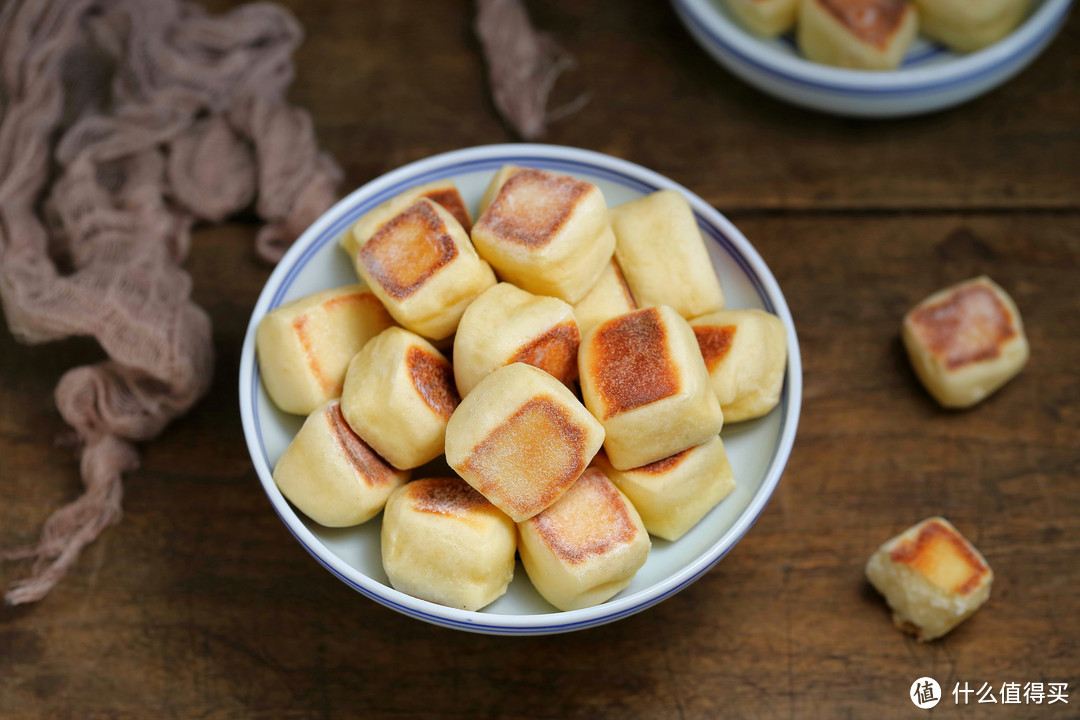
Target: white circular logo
925,693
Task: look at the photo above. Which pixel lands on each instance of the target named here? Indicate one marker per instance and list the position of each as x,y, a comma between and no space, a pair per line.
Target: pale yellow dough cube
443,192
767,18
857,34
444,543
931,577
967,26
965,341
305,346
586,547
399,394
663,255
642,376
521,438
673,494
610,297
745,352
506,325
331,475
545,233
423,267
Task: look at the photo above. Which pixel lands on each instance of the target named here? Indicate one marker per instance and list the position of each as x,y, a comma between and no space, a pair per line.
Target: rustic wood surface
200,604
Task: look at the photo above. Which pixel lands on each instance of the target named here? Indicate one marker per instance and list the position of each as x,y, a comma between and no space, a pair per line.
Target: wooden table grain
199,604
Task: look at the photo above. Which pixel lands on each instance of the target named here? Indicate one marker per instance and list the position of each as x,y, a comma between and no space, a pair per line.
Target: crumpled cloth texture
122,123
523,65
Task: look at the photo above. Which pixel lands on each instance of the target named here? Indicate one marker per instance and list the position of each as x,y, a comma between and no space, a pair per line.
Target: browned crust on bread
446,496
919,554
406,251
715,343
538,418
366,462
612,529
967,327
433,378
875,22
554,351
631,365
532,206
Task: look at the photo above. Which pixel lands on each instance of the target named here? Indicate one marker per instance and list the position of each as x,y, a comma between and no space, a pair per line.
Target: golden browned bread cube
586,547
521,438
857,34
608,298
967,26
424,268
304,346
965,341
443,192
932,578
506,325
546,233
399,394
443,542
673,494
663,256
745,352
767,18
331,475
643,377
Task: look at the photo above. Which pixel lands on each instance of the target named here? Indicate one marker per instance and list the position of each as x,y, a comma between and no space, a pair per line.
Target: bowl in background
930,78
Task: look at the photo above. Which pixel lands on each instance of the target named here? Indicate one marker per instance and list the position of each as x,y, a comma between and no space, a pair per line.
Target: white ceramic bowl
931,77
758,450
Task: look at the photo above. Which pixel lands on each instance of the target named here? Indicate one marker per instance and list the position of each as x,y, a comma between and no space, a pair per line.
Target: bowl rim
329,226
970,68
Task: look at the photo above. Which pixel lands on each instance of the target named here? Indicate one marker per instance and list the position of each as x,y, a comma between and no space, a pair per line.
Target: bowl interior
757,449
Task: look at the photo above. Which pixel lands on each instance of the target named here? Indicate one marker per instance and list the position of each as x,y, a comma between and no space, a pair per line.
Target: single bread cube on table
857,34
672,495
967,26
663,255
399,394
506,325
931,577
767,18
423,267
545,233
521,439
305,346
643,377
965,342
609,298
745,352
443,542
442,192
333,476
586,547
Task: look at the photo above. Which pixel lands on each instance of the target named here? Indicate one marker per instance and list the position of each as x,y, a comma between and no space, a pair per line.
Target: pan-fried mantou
305,346
333,476
643,377
965,341
423,267
932,578
586,547
544,232
521,438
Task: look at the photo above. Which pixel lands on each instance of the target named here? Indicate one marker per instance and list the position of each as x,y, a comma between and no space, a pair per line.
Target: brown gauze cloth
124,122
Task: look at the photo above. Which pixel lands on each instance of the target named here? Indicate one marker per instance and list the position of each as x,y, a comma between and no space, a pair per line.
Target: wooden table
201,605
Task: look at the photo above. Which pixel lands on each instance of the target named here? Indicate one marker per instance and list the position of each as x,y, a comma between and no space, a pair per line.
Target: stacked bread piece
876,34
574,364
